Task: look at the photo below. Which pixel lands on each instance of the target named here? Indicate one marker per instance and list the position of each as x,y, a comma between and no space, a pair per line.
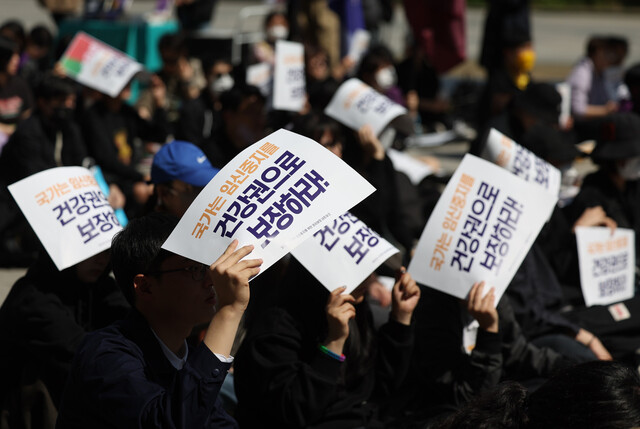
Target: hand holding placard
483,307
406,295
340,310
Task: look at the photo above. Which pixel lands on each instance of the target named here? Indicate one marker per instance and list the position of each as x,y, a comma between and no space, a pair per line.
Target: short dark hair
41,37
233,98
137,249
52,86
375,58
600,394
175,42
7,49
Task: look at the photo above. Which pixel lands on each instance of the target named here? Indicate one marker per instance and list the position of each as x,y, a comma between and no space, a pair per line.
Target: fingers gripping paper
481,229
273,195
68,212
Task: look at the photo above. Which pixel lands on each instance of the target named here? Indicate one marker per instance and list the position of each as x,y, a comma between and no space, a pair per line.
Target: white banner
506,153
356,104
289,83
68,212
481,229
98,65
343,253
607,264
273,195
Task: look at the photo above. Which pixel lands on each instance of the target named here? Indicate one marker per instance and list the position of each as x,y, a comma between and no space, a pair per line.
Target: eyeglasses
197,271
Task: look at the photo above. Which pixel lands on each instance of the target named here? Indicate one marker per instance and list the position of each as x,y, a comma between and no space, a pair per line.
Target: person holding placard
464,348
110,127
140,372
42,322
314,360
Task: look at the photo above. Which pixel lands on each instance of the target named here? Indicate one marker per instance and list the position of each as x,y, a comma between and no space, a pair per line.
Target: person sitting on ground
140,372
42,322
16,100
318,359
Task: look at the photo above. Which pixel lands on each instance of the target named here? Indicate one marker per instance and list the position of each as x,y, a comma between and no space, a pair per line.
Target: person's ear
143,287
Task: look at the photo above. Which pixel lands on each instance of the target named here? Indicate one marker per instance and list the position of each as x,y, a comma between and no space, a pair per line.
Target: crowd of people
137,336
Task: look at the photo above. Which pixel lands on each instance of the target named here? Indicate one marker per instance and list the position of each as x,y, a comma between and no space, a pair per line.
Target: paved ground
559,39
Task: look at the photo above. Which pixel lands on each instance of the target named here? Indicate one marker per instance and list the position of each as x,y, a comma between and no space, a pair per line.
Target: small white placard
506,153
289,87
356,104
607,264
98,65
273,195
68,212
261,76
414,169
343,253
481,229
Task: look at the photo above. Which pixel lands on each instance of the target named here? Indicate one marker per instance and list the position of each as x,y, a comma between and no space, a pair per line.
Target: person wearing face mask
276,27
504,83
378,71
48,138
200,118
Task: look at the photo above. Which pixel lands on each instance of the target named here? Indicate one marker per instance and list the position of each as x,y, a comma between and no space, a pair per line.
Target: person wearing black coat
288,372
42,321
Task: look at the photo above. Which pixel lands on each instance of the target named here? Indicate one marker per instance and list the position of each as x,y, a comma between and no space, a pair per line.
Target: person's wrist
230,311
402,317
336,346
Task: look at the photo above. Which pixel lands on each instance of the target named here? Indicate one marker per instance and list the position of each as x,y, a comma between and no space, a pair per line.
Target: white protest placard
415,170
98,65
356,104
607,264
68,212
506,153
273,195
289,83
261,76
359,45
343,253
564,89
481,229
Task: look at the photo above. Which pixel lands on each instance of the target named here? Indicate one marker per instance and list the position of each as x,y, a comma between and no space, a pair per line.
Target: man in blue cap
180,170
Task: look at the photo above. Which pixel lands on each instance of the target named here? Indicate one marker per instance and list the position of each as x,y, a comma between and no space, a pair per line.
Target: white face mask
277,32
631,169
386,77
222,84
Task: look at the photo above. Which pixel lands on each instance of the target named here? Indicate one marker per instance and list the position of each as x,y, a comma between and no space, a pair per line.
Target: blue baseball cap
180,160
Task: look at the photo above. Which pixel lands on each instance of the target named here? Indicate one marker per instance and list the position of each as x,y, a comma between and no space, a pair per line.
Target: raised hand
483,308
406,294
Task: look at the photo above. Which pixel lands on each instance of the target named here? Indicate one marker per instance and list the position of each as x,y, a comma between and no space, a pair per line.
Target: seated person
589,95
110,128
180,170
317,358
243,124
42,322
182,76
276,27
16,100
200,117
140,372
466,347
